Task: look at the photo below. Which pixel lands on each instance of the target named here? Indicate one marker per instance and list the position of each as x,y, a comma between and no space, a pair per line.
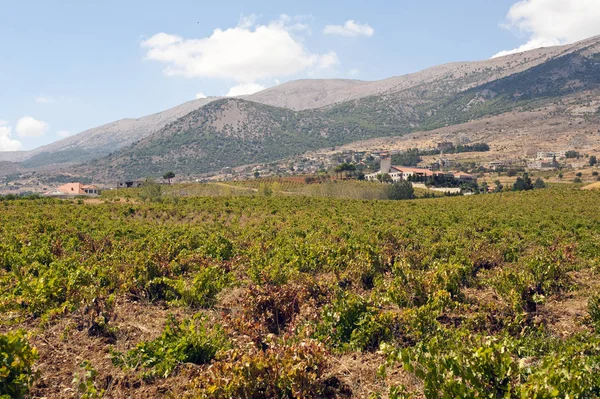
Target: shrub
539,183
191,341
400,190
461,367
17,357
202,291
572,372
594,311
150,191
340,318
294,371
275,306
85,382
577,180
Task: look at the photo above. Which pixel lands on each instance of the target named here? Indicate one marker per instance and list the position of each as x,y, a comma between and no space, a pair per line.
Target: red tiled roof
403,169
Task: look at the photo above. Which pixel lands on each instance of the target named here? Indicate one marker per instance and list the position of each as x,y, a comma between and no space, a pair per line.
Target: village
437,168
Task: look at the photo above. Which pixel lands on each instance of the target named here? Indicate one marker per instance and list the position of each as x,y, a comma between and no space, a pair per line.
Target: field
281,296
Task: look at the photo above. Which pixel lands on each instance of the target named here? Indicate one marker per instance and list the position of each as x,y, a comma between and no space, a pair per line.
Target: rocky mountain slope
300,115
234,132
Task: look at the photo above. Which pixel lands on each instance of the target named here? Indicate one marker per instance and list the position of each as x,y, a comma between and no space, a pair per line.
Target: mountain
102,140
233,132
294,117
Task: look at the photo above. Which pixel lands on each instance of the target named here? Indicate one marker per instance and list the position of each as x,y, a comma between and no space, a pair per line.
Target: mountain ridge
416,92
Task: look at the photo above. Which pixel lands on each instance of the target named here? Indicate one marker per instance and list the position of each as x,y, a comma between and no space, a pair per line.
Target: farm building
73,189
130,184
398,173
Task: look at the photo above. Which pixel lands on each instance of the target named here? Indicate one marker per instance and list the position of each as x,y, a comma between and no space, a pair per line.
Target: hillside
233,132
421,89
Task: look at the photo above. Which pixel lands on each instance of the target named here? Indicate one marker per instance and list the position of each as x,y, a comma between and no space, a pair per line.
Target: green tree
498,187
523,183
539,183
256,174
150,191
386,178
168,176
400,190
593,160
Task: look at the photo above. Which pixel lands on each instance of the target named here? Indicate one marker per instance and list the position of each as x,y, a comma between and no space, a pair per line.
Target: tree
168,176
256,174
499,186
150,191
579,174
593,160
400,190
523,183
386,178
539,183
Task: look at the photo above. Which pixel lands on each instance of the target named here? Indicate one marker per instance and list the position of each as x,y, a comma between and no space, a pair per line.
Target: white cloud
44,99
200,96
6,142
553,22
244,89
248,21
354,72
31,127
245,53
350,28
63,133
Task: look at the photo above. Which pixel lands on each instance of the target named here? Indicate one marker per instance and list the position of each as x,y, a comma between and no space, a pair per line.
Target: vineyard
289,296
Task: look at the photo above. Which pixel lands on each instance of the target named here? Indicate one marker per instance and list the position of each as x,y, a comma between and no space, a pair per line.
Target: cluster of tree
572,154
524,183
412,156
456,149
316,179
350,171
401,190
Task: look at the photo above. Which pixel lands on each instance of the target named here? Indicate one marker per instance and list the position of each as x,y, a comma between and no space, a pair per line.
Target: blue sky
67,66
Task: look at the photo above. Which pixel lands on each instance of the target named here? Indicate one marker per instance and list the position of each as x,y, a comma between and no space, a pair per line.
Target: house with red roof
73,189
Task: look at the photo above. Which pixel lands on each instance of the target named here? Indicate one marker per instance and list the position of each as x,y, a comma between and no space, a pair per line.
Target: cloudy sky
67,65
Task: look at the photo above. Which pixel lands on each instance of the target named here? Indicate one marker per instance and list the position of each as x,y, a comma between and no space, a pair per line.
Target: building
130,184
73,189
543,164
544,155
398,173
465,177
495,165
